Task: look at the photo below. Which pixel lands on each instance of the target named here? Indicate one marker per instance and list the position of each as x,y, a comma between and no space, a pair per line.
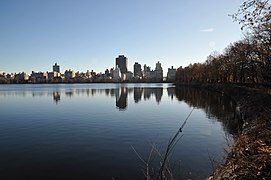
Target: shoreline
98,82
249,157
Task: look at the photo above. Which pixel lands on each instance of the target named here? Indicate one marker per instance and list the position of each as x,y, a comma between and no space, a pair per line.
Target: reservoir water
90,131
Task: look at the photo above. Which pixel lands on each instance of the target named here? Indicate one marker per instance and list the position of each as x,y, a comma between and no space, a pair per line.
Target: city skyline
119,73
55,67
86,35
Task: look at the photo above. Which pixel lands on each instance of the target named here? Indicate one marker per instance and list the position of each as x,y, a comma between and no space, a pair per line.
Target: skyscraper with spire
56,68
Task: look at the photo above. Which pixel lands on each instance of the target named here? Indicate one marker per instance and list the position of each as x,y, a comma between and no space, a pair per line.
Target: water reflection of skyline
216,107
56,96
121,94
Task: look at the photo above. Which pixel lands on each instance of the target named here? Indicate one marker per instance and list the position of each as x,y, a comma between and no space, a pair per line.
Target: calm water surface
87,131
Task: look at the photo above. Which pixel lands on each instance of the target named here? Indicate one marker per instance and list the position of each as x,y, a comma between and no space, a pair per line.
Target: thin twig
139,155
171,144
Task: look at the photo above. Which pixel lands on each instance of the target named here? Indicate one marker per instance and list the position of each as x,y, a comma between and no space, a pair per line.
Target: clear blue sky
89,34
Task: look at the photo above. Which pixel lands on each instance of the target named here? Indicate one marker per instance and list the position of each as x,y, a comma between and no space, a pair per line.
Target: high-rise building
146,72
137,70
159,72
121,63
69,74
171,74
56,68
115,73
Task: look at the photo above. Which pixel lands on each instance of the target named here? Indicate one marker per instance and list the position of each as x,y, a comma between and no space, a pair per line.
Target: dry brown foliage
250,156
